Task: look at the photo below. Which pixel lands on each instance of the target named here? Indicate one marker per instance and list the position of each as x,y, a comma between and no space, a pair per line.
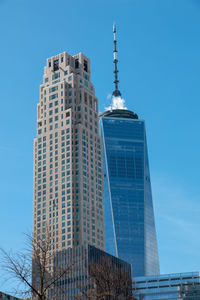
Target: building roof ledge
119,113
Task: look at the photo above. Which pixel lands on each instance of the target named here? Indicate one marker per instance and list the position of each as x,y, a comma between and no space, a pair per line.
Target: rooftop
119,113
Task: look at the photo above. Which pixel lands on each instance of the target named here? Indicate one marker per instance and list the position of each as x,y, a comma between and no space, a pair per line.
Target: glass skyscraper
128,209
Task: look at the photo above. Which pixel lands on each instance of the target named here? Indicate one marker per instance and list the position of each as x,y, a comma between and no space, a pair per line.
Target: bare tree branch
32,270
43,275
107,281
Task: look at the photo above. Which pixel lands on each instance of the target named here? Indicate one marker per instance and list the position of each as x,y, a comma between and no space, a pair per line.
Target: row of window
51,127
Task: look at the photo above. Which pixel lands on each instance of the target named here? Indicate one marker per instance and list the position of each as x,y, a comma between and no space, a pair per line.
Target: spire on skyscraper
116,92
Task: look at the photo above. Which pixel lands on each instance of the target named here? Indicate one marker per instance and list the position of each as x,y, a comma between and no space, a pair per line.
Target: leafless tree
32,269
42,275
107,281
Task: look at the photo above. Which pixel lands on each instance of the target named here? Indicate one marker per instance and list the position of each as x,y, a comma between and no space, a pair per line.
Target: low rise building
181,286
4,296
91,273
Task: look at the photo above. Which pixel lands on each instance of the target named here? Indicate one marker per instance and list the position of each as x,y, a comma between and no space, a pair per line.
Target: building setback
68,187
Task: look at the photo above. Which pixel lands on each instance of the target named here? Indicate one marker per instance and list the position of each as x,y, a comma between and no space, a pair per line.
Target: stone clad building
68,189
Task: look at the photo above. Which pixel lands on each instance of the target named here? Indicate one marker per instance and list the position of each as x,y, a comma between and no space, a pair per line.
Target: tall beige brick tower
68,195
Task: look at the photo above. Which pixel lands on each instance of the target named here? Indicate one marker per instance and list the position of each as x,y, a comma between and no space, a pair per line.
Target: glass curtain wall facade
128,210
82,259
4,296
181,286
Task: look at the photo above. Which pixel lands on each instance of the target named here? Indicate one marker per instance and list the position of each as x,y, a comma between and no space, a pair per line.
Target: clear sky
159,72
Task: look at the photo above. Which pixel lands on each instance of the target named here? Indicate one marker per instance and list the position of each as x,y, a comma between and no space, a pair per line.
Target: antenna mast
116,92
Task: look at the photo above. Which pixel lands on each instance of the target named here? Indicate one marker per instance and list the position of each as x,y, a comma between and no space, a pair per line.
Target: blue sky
159,72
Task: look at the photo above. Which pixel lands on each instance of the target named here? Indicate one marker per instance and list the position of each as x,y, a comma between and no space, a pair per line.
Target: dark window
85,65
49,64
76,63
56,65
61,59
